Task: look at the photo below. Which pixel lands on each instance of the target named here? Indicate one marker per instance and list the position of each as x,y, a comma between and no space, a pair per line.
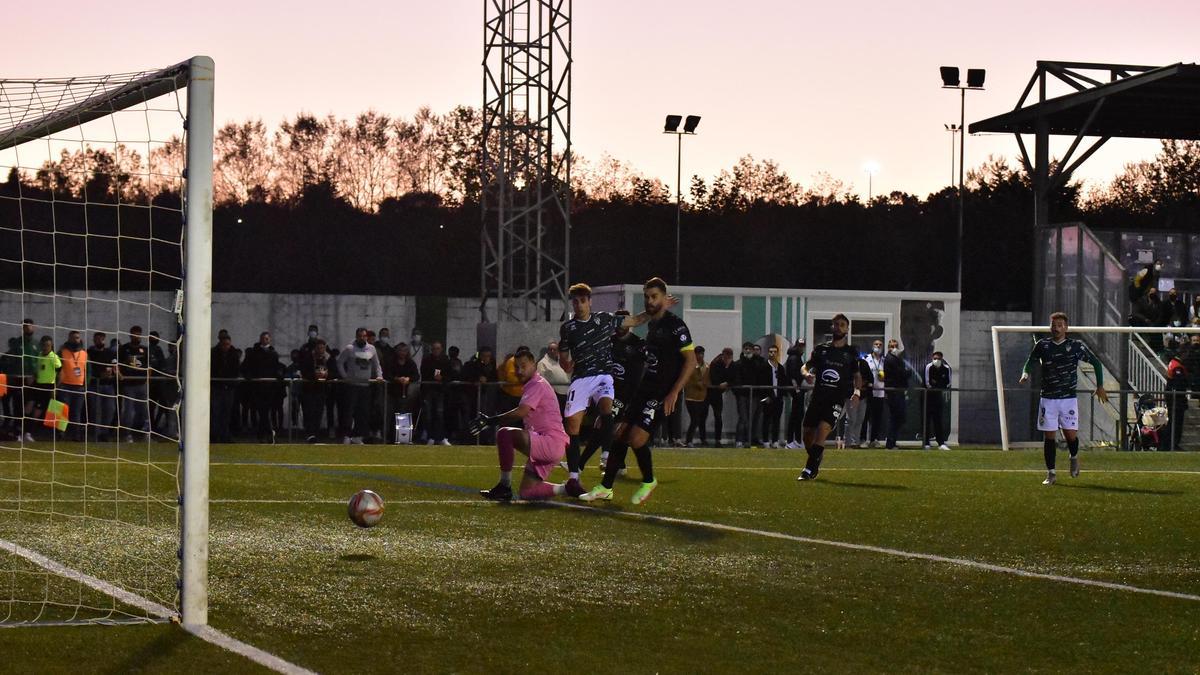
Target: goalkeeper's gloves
482,422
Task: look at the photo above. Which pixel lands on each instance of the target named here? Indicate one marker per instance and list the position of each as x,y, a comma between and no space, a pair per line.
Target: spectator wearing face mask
1148,312
878,400
937,384
1145,279
416,346
1175,310
896,374
552,371
359,366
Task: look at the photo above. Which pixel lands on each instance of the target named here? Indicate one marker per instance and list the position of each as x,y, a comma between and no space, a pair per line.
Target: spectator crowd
351,393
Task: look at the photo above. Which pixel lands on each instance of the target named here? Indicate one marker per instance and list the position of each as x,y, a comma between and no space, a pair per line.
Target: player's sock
506,449
815,454
586,455
599,438
573,455
1048,448
1073,446
506,478
538,491
616,461
645,463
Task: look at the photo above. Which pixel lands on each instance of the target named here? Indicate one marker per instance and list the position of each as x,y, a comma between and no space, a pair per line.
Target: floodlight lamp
871,167
949,76
690,124
672,124
975,77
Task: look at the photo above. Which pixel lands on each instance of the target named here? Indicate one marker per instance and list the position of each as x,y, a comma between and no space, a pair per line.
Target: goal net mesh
1147,398
92,200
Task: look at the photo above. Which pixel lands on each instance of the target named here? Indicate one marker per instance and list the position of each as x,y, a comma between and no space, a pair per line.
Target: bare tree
242,170
362,164
302,149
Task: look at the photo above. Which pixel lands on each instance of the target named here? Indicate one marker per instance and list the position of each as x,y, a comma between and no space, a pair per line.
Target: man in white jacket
876,403
359,365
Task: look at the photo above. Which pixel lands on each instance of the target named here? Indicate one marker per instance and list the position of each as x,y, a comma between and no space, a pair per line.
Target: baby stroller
1151,420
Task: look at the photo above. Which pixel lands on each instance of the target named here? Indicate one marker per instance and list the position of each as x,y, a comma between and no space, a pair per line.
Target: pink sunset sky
814,86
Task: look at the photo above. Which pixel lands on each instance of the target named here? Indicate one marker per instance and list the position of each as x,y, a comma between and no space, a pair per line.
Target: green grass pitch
450,583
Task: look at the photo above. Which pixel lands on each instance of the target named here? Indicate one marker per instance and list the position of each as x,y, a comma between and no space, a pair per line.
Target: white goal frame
997,330
196,75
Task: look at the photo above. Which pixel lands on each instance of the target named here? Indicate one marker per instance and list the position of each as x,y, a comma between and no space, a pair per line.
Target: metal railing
461,400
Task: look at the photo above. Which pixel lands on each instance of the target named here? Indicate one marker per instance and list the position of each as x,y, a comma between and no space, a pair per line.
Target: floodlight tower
975,77
671,126
525,170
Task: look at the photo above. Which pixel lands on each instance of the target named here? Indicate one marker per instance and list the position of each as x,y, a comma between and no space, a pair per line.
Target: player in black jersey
629,364
585,347
833,371
669,360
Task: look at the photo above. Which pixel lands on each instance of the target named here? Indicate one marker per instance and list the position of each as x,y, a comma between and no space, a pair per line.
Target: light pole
953,129
950,80
872,168
672,127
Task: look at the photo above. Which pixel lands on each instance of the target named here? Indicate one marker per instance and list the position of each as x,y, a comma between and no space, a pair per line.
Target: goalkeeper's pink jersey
544,416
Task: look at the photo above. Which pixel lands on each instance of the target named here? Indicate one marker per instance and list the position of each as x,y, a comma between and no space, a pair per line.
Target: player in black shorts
629,364
833,370
585,345
669,360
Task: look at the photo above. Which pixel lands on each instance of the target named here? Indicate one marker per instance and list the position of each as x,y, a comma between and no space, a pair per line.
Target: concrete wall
245,315
978,411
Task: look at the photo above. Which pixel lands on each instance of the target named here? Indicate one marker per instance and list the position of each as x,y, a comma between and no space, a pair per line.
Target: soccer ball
365,508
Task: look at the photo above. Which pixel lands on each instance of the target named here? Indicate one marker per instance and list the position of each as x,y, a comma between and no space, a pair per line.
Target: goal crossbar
996,359
151,85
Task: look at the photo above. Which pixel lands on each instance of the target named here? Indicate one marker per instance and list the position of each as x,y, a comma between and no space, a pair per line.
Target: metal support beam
526,157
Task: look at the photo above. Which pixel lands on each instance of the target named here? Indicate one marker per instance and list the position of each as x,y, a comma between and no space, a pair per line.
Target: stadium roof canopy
1138,102
1110,101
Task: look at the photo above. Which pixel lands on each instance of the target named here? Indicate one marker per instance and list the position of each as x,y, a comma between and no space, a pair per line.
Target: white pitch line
206,633
1185,472
961,562
276,465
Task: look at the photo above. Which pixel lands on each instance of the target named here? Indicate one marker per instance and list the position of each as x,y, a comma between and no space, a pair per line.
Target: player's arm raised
635,320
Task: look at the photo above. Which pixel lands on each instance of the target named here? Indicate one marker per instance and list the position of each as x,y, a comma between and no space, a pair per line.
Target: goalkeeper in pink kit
542,440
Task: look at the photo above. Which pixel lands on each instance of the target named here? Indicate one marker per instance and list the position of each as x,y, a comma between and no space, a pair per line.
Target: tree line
412,187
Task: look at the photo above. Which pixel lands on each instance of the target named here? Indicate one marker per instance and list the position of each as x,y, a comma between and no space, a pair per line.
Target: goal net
1147,406
105,290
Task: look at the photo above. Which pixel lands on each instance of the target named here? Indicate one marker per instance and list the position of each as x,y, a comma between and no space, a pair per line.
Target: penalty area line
911,555
206,633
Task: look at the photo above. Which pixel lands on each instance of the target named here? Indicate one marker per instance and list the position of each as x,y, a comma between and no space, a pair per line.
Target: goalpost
1134,366
106,225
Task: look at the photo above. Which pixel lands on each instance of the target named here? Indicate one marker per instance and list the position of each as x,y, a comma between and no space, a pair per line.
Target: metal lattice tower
526,163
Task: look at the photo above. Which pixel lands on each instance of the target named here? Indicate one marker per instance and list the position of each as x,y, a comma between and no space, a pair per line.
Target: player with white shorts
588,391
1058,413
1058,408
585,349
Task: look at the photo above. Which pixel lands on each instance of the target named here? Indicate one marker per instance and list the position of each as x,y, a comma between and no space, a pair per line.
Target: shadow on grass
356,557
1126,490
868,486
697,534
157,652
